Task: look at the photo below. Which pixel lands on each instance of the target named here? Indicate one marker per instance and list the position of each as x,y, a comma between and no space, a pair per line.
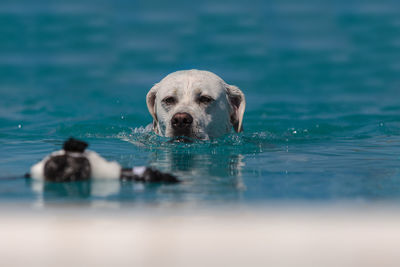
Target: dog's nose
181,121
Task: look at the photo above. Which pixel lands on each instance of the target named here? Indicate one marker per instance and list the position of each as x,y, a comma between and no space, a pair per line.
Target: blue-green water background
322,81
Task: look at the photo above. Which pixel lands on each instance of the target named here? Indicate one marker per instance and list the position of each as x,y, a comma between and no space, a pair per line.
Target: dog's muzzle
182,124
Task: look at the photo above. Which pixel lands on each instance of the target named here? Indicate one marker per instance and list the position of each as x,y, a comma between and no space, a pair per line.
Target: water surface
321,78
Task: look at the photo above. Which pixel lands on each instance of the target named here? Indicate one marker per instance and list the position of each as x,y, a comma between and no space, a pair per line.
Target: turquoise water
322,81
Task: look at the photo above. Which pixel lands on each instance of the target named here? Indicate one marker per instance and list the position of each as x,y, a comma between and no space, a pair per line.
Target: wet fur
210,120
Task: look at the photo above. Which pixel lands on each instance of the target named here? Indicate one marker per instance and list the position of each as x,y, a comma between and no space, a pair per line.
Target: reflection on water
209,171
202,166
186,162
76,189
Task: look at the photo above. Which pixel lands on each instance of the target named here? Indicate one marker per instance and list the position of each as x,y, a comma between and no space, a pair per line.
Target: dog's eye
169,100
205,99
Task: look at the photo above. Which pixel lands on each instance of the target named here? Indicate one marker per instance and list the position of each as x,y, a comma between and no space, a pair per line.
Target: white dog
196,104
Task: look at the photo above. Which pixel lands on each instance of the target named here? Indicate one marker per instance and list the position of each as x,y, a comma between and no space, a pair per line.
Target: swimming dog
196,104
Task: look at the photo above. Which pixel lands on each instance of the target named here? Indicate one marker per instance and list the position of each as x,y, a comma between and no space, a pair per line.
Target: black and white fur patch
75,163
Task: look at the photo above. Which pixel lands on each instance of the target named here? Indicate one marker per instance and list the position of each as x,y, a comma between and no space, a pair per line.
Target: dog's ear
151,105
238,103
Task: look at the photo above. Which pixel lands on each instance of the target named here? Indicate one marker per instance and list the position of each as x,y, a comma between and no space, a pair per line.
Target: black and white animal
75,163
196,104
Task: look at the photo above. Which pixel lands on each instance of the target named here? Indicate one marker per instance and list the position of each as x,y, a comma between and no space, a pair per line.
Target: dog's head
195,103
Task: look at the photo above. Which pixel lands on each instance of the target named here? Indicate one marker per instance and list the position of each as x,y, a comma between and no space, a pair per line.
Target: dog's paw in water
75,163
